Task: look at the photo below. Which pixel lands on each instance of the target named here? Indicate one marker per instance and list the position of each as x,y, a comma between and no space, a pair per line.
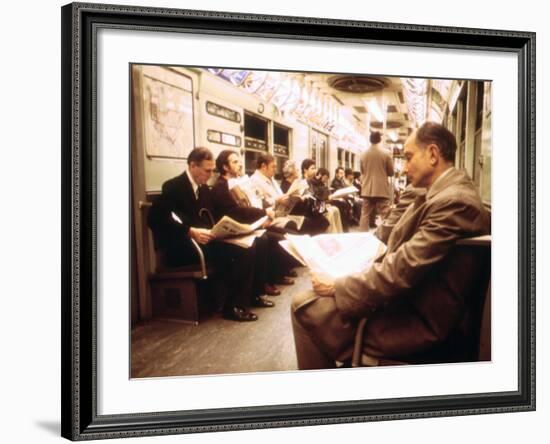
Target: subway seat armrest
201,259
358,357
482,241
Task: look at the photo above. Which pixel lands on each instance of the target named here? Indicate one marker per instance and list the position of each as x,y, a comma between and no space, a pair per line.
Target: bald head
429,151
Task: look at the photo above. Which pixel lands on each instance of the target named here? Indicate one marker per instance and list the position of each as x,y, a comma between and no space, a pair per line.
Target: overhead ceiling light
375,110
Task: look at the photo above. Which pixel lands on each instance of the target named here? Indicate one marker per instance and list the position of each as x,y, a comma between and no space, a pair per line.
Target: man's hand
201,235
270,213
324,287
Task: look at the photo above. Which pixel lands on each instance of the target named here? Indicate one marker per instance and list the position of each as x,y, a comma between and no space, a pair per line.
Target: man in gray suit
376,167
416,297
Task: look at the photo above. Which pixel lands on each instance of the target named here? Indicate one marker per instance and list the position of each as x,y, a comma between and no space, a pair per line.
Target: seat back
470,338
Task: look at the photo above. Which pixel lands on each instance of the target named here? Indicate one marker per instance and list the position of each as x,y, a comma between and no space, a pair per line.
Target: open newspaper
295,192
229,230
244,192
343,192
331,256
233,232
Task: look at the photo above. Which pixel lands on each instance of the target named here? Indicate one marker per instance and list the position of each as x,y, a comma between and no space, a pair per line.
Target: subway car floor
219,346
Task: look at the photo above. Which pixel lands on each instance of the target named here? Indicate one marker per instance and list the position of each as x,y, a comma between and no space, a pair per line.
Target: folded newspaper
331,256
343,192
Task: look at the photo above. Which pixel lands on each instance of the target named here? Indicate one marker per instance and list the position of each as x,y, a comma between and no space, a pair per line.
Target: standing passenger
376,167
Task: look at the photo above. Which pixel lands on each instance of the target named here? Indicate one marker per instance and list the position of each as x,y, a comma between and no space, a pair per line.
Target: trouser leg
236,265
321,335
277,263
261,263
308,354
366,214
343,208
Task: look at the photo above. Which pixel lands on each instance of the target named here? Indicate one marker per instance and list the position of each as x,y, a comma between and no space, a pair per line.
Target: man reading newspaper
175,221
415,298
225,206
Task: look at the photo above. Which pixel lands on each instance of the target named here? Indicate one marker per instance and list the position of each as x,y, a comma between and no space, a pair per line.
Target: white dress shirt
267,188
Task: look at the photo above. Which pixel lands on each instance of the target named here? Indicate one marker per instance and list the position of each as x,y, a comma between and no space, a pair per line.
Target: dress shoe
292,274
262,302
271,290
285,281
239,314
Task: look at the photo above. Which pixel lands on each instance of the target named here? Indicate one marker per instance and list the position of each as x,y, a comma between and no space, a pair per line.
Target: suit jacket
408,196
178,198
224,203
376,167
336,184
415,296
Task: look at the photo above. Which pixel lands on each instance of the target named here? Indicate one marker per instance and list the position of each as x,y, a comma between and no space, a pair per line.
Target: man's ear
433,154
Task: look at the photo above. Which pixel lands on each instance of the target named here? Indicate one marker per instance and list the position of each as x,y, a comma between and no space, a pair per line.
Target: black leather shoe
271,290
260,301
239,314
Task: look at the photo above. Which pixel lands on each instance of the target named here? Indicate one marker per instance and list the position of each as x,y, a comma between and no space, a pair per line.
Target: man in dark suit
270,254
376,167
175,220
417,296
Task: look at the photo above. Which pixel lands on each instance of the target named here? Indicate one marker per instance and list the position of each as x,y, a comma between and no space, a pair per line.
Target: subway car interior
177,324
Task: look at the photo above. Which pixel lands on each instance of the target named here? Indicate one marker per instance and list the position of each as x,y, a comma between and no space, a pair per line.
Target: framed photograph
157,103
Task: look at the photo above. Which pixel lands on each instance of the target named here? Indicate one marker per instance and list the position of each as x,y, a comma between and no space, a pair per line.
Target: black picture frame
80,22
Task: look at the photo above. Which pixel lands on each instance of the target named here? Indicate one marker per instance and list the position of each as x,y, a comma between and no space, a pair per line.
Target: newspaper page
248,188
294,193
282,221
331,256
283,209
228,227
342,192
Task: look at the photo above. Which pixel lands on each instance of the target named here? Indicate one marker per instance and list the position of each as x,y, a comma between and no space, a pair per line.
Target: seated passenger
319,191
266,186
415,297
339,180
270,192
174,219
228,164
354,200
343,205
290,174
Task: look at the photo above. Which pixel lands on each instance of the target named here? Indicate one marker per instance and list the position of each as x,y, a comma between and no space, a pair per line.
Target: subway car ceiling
295,115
